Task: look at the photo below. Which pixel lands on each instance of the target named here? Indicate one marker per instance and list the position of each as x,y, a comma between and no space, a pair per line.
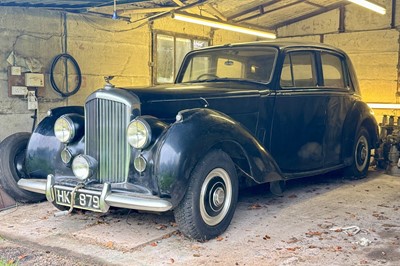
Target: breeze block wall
371,42
101,46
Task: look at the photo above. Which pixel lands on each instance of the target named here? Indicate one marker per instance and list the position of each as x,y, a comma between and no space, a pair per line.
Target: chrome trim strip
144,204
34,185
49,185
121,200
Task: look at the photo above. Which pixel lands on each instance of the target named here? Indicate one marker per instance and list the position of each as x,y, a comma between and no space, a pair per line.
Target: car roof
281,45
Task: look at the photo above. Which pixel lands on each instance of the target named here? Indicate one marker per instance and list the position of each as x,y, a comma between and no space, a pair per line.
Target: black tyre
361,156
12,161
208,206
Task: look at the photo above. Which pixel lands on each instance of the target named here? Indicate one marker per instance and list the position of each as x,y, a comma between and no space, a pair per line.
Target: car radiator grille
105,138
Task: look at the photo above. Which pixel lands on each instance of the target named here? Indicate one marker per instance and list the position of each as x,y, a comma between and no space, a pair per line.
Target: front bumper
107,197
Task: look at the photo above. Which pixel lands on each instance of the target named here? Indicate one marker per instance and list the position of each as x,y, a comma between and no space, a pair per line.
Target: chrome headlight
84,166
64,129
139,134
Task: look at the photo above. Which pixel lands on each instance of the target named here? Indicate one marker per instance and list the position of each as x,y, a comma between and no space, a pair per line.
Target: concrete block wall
21,32
372,44
102,47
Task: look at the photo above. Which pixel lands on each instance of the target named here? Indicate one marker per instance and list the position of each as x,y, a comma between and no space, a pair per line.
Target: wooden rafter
272,10
216,12
178,2
311,14
250,10
148,10
313,4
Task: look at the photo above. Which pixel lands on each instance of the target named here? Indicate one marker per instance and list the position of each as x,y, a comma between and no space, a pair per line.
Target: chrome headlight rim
67,124
139,141
83,166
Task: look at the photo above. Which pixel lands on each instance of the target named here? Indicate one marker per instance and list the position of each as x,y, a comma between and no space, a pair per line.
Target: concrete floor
300,228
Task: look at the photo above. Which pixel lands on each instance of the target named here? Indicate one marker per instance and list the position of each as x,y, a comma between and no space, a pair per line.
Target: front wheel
210,200
361,155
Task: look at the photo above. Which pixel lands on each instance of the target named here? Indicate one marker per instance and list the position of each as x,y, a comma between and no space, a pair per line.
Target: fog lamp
66,156
140,164
84,166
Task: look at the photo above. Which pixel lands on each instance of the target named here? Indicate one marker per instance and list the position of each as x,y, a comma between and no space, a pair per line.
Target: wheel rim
215,196
19,160
361,153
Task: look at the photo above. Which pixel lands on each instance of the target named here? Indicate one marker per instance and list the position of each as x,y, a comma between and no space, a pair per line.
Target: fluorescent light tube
370,5
222,25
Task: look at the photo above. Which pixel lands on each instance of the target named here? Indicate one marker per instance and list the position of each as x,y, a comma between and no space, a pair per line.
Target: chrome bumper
107,197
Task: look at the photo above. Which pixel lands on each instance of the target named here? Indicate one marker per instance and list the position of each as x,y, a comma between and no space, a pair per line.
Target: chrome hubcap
361,153
215,196
219,197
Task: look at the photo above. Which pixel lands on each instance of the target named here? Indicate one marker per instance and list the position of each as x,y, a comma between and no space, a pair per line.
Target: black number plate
84,199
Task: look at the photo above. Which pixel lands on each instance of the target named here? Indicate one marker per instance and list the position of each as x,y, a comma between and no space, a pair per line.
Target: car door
298,129
338,89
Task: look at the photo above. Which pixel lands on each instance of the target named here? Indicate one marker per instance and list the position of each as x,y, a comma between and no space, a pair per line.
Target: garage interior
128,40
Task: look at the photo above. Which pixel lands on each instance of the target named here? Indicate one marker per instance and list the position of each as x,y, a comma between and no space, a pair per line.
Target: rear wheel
210,201
12,167
361,156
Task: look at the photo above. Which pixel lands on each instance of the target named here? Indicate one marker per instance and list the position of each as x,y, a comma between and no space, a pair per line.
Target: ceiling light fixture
115,15
221,25
370,5
384,105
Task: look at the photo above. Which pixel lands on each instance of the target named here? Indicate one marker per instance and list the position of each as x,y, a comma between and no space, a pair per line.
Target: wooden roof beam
178,2
271,10
250,10
217,13
309,15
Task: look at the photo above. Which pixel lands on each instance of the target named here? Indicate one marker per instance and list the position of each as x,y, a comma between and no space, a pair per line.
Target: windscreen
249,63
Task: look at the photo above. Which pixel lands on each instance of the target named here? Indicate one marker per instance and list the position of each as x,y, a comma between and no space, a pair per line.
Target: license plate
84,199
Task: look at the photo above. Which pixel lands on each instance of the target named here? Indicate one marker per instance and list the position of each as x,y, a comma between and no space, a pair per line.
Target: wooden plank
250,10
311,14
5,200
178,2
217,13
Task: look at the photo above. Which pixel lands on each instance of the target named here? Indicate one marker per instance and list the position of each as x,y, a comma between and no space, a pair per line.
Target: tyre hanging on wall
65,93
12,160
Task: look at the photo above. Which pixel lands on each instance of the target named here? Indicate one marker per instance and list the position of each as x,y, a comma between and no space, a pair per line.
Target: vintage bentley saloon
237,115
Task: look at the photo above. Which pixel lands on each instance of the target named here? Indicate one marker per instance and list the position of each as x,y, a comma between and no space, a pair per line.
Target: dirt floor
322,220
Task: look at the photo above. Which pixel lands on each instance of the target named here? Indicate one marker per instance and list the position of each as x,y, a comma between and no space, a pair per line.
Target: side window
332,69
299,70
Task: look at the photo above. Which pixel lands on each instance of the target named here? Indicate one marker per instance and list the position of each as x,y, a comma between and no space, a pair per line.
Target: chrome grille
105,138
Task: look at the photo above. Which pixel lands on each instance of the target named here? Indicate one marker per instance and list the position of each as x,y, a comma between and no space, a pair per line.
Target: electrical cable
78,73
